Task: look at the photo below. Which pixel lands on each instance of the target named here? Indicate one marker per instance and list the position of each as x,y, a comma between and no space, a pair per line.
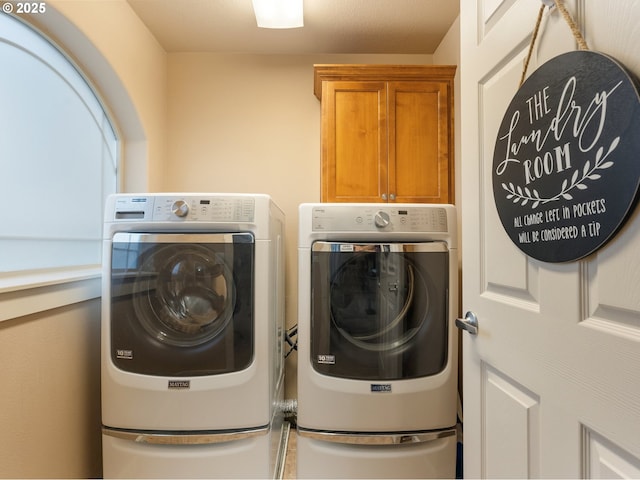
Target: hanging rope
531,44
582,45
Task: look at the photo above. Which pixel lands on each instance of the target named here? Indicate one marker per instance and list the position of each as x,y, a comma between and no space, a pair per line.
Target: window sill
33,292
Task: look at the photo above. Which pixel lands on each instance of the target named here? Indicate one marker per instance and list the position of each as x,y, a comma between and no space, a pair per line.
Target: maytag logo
179,384
380,387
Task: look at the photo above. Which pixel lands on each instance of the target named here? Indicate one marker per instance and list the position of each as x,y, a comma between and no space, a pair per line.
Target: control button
381,219
180,208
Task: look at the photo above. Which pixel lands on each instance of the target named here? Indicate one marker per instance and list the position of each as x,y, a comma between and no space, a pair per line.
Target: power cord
291,337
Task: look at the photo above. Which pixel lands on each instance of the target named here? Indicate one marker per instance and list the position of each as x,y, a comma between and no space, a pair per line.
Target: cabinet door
419,142
354,141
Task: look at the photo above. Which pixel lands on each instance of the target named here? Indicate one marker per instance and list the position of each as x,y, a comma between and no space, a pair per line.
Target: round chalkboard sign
566,164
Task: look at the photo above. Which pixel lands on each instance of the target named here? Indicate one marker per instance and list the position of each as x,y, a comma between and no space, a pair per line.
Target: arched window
58,156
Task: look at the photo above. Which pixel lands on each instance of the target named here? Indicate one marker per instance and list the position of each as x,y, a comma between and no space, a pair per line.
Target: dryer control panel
354,218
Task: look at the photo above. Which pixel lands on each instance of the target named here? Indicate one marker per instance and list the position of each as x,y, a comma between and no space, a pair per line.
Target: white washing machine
192,336
377,344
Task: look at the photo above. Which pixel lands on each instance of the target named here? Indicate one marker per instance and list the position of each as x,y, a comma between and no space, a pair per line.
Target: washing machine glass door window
379,311
184,296
187,297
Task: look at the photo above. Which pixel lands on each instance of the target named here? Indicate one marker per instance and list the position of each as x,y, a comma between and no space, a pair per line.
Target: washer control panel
346,218
160,208
180,208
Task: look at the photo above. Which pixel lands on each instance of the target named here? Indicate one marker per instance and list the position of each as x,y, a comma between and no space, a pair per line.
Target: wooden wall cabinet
386,133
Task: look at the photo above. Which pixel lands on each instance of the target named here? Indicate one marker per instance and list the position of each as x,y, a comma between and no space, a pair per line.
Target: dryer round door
379,311
182,304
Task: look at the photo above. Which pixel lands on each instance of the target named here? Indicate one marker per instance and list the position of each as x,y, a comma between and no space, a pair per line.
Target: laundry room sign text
566,163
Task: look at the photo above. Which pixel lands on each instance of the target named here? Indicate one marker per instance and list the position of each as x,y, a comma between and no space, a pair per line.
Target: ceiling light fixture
278,13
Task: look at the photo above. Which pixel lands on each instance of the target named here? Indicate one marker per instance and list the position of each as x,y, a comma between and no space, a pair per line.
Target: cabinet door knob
392,197
384,197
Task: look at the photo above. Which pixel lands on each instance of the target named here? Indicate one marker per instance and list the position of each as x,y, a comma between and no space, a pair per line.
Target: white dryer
377,344
192,331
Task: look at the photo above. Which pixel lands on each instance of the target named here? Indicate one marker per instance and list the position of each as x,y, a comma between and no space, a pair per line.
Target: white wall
448,53
50,403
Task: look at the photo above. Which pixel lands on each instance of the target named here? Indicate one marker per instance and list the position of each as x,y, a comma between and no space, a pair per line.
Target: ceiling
330,26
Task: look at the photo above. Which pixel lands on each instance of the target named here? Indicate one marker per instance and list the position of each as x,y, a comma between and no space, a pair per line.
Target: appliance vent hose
289,407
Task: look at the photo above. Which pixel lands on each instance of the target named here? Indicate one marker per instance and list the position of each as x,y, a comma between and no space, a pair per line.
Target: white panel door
552,379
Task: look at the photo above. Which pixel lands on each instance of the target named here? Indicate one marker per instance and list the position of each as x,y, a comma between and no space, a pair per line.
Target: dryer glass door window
379,311
182,304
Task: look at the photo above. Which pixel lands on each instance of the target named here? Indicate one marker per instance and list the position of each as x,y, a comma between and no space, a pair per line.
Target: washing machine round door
190,299
182,304
379,311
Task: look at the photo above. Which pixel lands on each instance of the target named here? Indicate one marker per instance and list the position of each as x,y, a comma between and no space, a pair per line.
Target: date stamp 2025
24,7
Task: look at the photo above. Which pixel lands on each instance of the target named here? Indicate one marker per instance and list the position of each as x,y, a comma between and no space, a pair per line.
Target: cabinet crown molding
386,73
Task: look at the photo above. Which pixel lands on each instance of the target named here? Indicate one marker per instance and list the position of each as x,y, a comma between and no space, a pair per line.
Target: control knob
381,219
180,208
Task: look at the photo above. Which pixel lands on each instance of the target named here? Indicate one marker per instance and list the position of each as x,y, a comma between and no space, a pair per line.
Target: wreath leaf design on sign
523,195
